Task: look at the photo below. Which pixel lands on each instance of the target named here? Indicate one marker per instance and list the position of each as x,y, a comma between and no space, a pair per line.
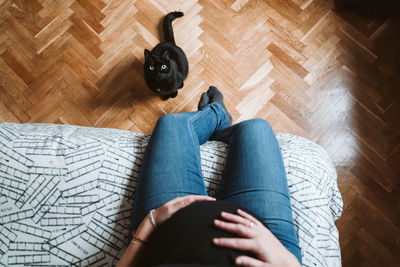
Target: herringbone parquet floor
331,76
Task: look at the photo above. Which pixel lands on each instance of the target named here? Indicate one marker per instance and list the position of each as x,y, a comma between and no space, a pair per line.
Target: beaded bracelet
137,241
152,219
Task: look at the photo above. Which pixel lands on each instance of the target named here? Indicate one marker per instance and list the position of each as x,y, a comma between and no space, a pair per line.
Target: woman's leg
172,166
255,178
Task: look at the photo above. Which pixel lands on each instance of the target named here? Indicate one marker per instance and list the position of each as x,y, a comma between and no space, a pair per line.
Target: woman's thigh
255,178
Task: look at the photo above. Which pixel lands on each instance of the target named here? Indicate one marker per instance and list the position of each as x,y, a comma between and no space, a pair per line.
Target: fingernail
215,240
239,261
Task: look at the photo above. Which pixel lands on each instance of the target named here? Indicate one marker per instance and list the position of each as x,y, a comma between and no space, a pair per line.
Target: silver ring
251,224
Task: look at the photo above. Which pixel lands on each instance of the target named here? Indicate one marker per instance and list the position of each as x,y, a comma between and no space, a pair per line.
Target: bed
66,193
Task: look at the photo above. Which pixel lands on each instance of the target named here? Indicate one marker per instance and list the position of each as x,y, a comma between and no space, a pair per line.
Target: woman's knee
255,126
167,120
172,122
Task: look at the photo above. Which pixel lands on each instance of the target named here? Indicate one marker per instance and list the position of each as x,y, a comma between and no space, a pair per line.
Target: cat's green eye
163,67
151,67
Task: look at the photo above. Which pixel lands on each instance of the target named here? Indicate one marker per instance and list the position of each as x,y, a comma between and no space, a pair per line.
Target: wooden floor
310,69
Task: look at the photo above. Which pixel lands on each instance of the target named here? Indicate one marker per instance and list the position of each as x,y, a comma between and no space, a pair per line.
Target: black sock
215,95
203,101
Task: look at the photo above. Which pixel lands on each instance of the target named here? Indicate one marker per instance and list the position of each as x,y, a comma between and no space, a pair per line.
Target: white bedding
66,193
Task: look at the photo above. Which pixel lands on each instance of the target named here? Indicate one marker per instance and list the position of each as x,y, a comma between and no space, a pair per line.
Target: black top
186,238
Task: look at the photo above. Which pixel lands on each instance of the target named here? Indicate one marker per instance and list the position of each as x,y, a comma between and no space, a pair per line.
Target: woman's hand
255,238
165,211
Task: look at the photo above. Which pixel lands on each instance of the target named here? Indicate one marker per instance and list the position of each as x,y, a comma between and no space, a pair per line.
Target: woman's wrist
145,229
139,239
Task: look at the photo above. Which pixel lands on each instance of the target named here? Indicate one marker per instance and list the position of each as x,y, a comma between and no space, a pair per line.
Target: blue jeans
254,175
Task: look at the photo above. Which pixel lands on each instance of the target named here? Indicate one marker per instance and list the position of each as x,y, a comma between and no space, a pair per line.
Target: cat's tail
167,26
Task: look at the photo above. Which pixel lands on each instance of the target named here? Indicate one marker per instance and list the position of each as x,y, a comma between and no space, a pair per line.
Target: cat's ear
166,55
146,53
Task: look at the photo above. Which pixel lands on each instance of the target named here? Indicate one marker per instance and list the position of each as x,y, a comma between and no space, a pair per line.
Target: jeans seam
215,106
196,146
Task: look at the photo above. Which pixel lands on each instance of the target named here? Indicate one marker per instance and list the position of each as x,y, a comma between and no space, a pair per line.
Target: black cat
166,66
